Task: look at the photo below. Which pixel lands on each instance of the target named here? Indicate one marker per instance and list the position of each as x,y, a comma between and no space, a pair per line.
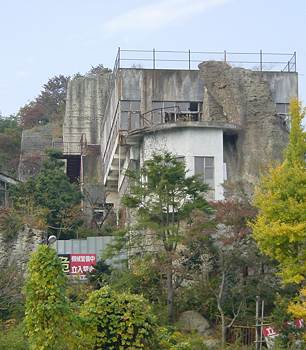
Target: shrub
13,339
11,298
170,339
48,316
116,321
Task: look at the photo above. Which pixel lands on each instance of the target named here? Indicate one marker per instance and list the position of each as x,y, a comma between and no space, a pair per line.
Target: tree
48,105
51,194
163,200
48,317
280,227
10,138
228,266
116,321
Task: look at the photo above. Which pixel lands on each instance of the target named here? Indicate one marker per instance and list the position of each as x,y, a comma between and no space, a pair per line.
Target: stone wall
245,97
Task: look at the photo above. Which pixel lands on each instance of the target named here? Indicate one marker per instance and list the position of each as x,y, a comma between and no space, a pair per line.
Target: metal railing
170,114
73,148
165,59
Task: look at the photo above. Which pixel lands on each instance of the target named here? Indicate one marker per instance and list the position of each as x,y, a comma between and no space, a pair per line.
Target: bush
116,321
11,298
48,316
170,339
10,224
13,339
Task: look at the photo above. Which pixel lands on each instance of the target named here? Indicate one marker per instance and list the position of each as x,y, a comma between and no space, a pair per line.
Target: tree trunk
219,298
170,296
223,331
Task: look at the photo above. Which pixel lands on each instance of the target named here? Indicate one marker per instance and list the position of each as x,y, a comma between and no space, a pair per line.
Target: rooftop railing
189,60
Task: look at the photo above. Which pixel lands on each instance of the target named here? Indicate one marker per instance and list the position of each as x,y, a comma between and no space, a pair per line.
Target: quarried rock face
17,250
244,97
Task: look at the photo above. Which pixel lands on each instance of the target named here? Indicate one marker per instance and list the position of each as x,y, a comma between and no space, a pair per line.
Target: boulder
190,321
212,343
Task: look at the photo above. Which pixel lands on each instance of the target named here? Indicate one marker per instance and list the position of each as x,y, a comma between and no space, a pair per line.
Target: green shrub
48,316
116,321
10,224
13,339
170,339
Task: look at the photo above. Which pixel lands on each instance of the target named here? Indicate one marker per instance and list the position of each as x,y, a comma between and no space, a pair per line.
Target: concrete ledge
228,128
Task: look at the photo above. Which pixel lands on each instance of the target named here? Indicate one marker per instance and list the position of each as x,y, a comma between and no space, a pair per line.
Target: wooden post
261,322
257,323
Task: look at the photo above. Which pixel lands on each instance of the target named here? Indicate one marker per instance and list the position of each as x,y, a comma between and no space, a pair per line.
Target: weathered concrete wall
85,106
19,249
283,85
150,85
247,98
34,143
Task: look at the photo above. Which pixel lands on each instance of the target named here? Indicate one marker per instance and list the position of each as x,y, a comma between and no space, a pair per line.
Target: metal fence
165,59
89,245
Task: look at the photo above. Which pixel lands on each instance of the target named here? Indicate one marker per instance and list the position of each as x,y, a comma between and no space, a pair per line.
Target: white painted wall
188,142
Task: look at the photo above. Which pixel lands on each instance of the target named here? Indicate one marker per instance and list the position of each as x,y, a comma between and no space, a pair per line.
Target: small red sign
269,332
80,264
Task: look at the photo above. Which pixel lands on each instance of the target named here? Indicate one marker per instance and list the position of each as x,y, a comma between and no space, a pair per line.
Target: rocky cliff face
19,249
243,97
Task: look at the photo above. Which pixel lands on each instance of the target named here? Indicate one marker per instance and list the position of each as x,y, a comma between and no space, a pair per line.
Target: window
204,168
282,108
180,159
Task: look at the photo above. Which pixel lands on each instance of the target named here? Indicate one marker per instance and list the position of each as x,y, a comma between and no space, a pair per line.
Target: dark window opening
194,107
73,168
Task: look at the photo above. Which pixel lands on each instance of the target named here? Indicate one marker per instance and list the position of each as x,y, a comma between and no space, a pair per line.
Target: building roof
8,179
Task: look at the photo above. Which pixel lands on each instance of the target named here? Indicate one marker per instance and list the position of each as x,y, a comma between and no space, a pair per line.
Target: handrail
286,61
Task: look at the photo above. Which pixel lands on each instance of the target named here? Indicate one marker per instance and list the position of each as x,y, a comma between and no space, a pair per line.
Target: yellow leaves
280,228
298,306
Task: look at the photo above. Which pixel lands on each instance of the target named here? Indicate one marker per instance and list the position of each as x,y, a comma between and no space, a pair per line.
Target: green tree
10,138
48,317
220,260
280,227
163,200
52,193
116,321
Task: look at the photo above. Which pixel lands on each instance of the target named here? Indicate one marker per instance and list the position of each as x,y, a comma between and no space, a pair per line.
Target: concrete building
225,122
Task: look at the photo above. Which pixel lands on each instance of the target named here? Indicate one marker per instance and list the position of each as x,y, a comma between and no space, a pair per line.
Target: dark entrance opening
193,107
73,169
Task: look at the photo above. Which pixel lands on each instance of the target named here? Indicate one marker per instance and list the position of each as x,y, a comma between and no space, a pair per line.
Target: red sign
269,331
80,264
270,334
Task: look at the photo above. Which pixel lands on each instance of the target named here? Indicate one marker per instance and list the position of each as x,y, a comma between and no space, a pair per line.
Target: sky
43,38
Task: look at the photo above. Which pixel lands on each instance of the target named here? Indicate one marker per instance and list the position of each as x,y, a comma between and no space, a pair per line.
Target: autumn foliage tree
280,227
49,105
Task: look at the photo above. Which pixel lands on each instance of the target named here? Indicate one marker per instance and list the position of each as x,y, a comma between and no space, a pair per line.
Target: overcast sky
43,38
